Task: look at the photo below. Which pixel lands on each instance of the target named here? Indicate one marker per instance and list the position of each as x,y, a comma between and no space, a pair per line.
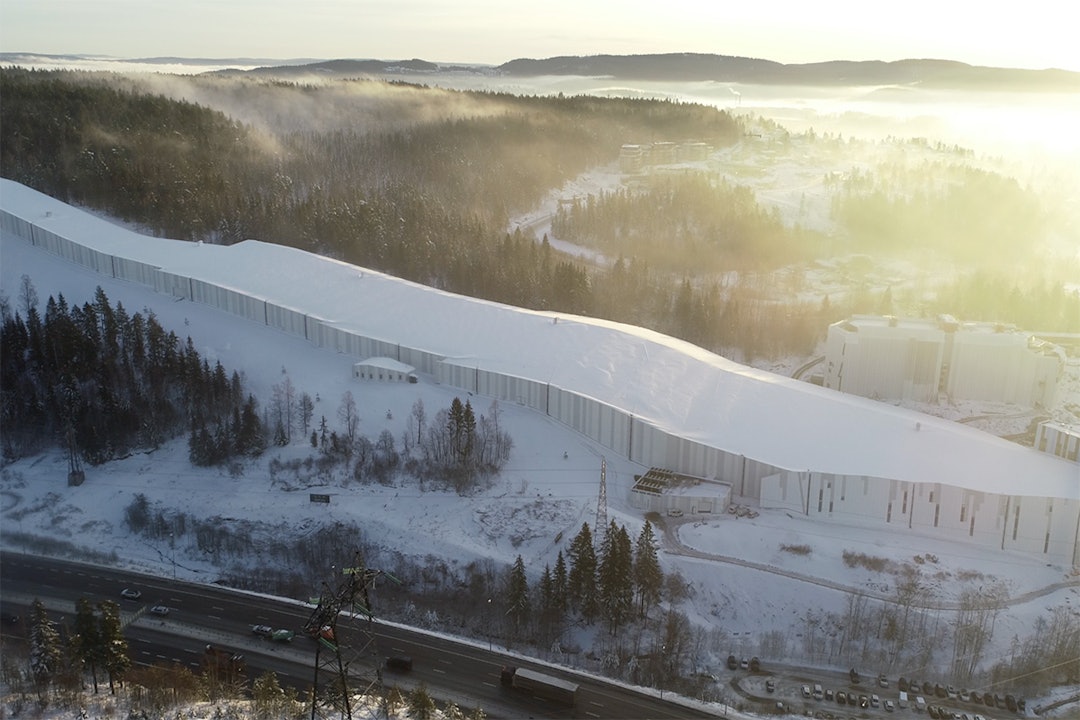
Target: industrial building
903,359
654,400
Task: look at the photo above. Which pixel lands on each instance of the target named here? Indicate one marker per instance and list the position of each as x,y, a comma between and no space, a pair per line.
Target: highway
199,615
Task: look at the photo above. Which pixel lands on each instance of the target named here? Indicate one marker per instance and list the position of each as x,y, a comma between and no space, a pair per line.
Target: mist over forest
422,181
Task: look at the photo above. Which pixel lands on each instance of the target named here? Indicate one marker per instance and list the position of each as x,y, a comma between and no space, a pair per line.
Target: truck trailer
540,685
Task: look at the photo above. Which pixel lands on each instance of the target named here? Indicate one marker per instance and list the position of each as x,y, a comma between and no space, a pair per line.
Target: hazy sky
1031,34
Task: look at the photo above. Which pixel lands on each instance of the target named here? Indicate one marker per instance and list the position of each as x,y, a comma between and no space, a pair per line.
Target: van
920,704
399,663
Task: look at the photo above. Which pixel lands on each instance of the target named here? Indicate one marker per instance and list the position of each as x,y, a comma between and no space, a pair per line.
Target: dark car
732,663
940,691
399,663
841,697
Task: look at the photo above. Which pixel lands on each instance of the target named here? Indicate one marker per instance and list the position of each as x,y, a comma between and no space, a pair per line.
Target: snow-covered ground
742,580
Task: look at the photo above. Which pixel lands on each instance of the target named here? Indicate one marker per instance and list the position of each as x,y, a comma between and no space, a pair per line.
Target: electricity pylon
334,653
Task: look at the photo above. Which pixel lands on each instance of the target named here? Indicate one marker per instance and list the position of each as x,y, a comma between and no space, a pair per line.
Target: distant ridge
695,67
725,68
669,67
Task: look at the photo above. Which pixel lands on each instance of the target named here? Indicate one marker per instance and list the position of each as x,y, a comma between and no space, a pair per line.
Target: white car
263,630
160,610
130,594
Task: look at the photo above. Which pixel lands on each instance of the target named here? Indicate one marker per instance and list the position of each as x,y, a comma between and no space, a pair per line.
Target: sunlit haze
1035,34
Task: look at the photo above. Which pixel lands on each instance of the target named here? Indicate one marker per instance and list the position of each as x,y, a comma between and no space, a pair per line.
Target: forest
420,182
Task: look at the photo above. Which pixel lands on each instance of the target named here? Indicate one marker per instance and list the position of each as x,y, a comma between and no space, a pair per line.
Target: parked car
841,697
744,664
755,664
160,610
732,663
864,702
806,691
262,630
129,594
818,692
875,701
882,681
770,686
829,695
889,706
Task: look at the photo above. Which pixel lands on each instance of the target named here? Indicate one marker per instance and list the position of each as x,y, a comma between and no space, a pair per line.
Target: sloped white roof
669,383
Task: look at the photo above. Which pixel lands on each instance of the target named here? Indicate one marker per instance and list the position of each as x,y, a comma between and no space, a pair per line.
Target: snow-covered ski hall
656,400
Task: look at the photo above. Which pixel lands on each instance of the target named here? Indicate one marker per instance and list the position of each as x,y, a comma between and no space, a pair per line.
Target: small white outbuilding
383,369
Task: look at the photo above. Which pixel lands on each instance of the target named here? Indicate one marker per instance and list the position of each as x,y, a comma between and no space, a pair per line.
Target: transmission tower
334,653
601,502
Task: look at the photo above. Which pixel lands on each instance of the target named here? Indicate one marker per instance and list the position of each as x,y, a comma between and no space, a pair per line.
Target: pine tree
615,577
560,586
86,641
517,595
114,646
46,654
648,577
421,704
581,585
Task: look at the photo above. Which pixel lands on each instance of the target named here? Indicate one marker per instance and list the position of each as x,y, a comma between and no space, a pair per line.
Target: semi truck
540,685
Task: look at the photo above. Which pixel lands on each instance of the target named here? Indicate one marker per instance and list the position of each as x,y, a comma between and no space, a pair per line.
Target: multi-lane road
465,673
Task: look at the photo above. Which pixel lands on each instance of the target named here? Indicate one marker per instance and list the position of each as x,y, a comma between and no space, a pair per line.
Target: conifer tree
421,704
114,646
648,577
86,641
615,577
46,654
581,581
517,595
560,585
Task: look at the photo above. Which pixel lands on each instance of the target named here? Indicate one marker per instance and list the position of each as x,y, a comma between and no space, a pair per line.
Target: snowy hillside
747,587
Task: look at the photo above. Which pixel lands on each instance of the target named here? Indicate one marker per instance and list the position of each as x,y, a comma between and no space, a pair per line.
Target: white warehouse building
652,399
890,358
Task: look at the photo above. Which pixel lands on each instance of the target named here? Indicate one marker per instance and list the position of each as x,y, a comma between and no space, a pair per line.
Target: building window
937,514
888,513
931,496
903,508
963,513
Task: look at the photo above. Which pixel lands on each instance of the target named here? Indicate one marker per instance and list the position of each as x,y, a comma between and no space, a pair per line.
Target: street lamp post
487,618
172,553
663,668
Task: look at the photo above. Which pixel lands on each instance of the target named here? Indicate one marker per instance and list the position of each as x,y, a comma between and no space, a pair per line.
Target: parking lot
830,696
